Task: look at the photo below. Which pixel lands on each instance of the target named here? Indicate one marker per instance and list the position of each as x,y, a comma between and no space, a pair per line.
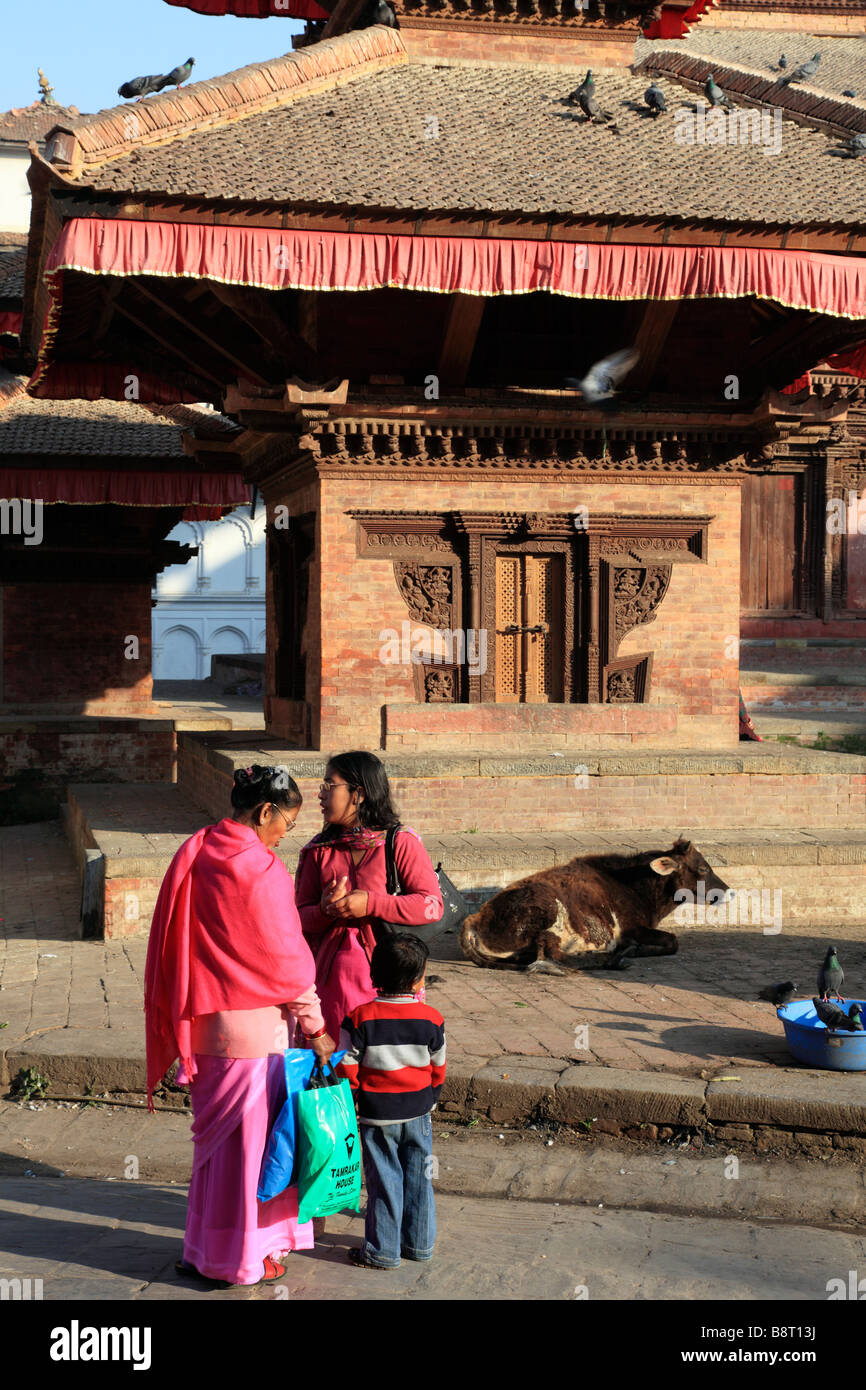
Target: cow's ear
664,865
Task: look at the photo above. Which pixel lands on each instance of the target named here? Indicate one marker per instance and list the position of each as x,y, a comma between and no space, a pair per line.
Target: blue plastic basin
810,1041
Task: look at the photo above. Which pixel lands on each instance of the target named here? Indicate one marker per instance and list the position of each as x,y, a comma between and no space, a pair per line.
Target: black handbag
454,906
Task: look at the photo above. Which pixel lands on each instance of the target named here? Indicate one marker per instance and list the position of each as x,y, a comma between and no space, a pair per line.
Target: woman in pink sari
228,978
342,882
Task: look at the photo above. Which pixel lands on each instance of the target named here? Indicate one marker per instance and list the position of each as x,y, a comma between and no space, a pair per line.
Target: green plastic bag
329,1150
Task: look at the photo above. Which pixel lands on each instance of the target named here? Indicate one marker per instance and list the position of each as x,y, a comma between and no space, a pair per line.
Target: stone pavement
74,1008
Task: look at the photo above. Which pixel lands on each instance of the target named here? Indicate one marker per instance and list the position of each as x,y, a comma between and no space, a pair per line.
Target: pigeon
586,88
139,87
714,95
848,93
603,378
831,976
655,100
856,1019
830,1014
380,12
779,994
803,72
857,144
783,62
179,74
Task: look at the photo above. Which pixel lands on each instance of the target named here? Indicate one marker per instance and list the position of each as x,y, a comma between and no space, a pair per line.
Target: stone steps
136,829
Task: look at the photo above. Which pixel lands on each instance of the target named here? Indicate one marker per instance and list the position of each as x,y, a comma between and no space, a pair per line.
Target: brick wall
64,644
784,20
693,637
518,44
575,801
492,727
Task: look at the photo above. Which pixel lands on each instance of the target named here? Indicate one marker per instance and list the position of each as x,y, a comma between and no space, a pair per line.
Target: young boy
395,1064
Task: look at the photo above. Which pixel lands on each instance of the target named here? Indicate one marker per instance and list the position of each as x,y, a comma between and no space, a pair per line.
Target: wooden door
529,636
771,544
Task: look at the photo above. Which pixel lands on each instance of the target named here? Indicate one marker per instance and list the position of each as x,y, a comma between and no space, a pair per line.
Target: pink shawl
225,935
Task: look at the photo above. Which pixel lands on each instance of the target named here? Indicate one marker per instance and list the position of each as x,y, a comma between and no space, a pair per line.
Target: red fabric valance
289,259
672,24
10,322
93,487
255,9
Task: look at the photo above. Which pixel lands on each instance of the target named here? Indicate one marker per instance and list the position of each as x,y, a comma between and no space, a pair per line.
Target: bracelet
311,1037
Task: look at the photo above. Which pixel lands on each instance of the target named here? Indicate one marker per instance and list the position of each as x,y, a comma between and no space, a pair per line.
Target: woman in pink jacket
340,883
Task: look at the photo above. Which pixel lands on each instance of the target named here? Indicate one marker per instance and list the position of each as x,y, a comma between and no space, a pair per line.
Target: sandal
355,1256
273,1271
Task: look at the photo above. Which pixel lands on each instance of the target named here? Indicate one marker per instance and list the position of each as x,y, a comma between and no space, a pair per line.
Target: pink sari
228,1231
226,962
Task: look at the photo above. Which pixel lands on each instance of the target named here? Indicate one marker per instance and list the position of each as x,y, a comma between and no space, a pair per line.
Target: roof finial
46,89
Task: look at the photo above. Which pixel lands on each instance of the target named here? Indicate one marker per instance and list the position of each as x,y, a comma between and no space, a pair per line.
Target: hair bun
249,776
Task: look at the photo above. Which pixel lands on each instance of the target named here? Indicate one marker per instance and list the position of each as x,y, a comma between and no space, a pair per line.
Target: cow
595,911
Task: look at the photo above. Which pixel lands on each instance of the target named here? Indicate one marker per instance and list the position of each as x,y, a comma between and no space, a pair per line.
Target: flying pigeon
831,976
139,87
655,99
179,74
803,72
779,994
714,95
856,1019
830,1014
603,378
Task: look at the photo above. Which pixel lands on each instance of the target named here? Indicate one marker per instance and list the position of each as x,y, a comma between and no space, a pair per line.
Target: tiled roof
98,429
13,260
842,66
25,123
507,142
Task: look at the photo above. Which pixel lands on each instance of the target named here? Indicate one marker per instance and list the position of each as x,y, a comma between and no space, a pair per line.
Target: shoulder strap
392,878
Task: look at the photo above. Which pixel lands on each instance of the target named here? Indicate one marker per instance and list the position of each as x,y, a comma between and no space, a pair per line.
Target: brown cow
593,911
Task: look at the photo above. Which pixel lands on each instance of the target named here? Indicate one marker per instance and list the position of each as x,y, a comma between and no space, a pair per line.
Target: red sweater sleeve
308,895
420,901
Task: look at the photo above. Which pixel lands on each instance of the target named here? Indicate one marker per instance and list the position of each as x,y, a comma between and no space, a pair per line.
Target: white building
215,603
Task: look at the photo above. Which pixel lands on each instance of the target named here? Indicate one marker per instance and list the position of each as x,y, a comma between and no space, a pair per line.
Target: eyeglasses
290,824
328,786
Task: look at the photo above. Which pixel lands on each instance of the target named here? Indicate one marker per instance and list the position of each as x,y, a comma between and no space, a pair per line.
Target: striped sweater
395,1058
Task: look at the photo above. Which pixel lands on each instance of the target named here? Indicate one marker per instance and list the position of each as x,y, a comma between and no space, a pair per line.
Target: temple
386,258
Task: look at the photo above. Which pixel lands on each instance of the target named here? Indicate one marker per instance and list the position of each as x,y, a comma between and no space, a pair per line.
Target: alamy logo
20,1290
442,646
734,908
711,125
77,1343
21,517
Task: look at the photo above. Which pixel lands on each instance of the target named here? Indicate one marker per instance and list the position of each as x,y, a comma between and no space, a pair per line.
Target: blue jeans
401,1215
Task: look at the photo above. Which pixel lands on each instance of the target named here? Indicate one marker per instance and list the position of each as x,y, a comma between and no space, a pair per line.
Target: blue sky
88,47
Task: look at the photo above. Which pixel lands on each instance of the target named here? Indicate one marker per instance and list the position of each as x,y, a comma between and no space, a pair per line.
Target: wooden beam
461,332
253,310
343,16
243,367
171,348
655,326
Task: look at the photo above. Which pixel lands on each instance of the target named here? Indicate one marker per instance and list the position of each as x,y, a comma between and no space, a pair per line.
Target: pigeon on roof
848,93
714,94
856,146
804,72
139,87
586,88
655,99
179,74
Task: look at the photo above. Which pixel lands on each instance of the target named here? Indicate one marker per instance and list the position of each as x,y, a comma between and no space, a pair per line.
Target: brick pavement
686,1014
